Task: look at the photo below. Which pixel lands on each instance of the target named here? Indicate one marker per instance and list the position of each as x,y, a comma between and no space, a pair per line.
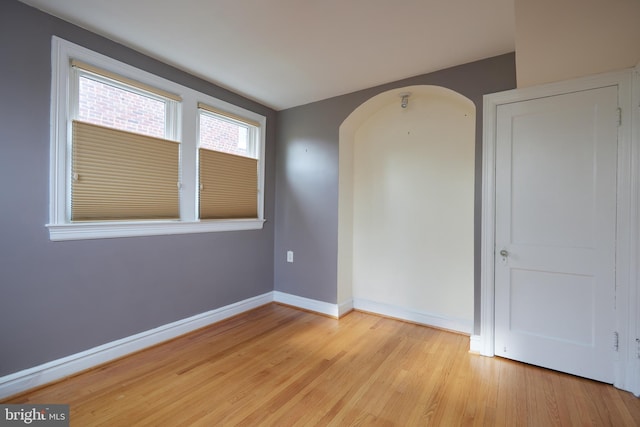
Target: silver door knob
504,253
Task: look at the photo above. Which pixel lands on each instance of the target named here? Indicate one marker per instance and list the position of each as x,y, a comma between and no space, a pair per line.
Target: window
124,157
136,155
228,165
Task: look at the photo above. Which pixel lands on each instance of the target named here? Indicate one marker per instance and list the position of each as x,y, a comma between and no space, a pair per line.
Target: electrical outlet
289,256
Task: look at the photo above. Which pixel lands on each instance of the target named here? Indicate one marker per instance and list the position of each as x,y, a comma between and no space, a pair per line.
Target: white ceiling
285,53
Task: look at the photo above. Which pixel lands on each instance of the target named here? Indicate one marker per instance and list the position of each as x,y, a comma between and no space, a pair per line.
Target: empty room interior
404,213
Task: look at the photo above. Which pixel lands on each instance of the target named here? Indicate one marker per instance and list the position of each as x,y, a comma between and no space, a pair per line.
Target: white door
556,163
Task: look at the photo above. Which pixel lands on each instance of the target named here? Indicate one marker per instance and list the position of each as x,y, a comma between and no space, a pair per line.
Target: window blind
228,185
119,175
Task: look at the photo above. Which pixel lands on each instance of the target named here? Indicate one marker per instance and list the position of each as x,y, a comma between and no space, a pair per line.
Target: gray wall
59,298
307,176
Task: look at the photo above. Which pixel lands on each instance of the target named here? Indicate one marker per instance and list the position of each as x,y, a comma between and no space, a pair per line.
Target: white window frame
62,228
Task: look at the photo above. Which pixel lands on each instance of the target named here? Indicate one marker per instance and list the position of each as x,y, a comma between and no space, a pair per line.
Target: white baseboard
307,304
345,307
475,344
33,377
428,319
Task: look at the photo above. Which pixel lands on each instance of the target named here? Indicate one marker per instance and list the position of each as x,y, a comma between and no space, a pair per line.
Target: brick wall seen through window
221,135
111,106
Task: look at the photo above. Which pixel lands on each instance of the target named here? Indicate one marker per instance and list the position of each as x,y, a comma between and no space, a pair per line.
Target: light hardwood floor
278,366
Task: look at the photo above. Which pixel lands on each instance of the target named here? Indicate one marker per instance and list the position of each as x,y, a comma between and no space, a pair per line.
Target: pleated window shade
119,175
228,185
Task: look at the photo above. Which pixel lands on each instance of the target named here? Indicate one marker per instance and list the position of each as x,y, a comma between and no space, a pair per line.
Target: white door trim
634,273
627,241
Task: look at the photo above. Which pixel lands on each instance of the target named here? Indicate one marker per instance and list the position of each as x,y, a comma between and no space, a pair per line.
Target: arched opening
406,206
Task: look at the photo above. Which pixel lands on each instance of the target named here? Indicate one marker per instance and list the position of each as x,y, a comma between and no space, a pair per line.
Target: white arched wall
406,194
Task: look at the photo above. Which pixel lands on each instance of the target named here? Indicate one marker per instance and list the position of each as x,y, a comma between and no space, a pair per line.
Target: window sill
107,230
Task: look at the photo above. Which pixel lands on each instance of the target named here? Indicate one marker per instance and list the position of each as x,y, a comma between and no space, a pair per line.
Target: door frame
626,369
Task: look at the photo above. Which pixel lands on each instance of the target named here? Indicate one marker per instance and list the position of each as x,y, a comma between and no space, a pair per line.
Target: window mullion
188,161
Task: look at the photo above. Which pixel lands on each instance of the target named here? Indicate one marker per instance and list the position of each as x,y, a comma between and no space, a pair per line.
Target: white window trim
60,228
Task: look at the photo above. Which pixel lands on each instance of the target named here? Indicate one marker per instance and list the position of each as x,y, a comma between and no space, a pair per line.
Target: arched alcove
405,217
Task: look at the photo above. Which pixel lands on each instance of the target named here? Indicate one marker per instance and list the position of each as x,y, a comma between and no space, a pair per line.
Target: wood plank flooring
278,366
